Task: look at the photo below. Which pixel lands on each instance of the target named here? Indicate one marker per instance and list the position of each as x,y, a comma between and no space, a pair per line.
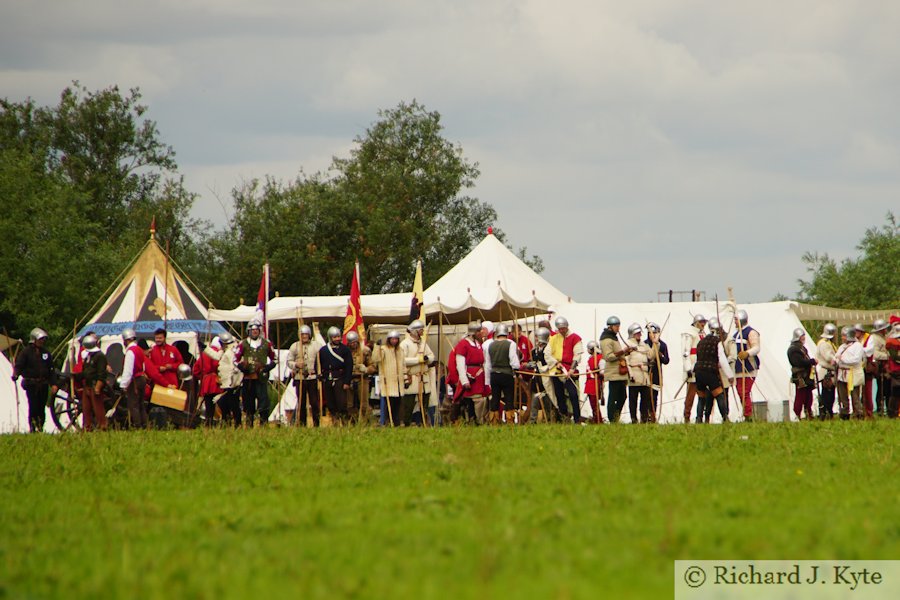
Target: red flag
354,319
262,300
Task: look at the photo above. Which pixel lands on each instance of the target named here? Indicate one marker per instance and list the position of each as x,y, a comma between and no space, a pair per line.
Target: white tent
10,422
490,282
775,322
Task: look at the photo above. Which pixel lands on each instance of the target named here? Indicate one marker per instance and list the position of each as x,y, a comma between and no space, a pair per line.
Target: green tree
866,282
399,196
79,185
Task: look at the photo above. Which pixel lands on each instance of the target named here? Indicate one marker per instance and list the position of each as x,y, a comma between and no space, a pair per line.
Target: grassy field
542,512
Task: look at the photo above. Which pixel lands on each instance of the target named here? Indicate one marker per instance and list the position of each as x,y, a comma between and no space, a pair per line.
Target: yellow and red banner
354,319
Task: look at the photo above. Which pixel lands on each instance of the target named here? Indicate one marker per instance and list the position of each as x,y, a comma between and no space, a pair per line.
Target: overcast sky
636,146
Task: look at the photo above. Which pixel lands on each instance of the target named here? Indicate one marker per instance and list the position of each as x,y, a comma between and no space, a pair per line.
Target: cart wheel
66,412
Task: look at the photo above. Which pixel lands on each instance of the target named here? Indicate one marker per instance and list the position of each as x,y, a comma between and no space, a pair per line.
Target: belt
474,365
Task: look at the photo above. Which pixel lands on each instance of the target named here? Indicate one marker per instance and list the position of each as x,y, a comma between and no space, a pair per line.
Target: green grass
545,511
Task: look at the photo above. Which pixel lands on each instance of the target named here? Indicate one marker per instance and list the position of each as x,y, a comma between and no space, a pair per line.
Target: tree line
81,181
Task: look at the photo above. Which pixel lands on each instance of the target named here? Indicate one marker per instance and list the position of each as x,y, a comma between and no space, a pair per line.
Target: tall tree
399,196
866,282
79,184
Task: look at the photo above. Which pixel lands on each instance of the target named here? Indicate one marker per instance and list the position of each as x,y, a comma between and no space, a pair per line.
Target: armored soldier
419,359
616,373
336,364
747,341
880,361
502,362
472,387
302,363
93,373
255,358
710,363
392,375
230,379
689,341
134,379
848,360
35,365
659,356
638,375
567,349
593,384
543,396
358,399
825,351
801,374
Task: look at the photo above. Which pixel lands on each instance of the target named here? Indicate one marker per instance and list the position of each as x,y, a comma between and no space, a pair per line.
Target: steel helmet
859,327
742,317
613,320
879,325
37,334
128,334
698,318
90,341
560,322
334,332
254,324
474,327
393,333
592,346
651,326
714,324
226,338
305,329
829,330
542,335
847,332
798,333
501,331
634,328
416,325
352,337
184,372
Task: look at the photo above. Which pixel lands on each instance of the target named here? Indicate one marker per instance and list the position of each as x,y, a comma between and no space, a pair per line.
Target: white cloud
629,143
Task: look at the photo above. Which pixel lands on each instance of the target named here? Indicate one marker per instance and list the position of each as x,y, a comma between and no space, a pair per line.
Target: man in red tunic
165,359
470,369
593,385
206,370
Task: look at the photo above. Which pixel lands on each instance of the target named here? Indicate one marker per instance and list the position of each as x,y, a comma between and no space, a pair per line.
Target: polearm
421,344
740,334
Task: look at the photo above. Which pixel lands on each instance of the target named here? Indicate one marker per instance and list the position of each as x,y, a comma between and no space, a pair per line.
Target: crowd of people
494,375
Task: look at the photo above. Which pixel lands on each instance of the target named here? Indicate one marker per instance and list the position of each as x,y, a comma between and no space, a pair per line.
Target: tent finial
153,227
490,230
